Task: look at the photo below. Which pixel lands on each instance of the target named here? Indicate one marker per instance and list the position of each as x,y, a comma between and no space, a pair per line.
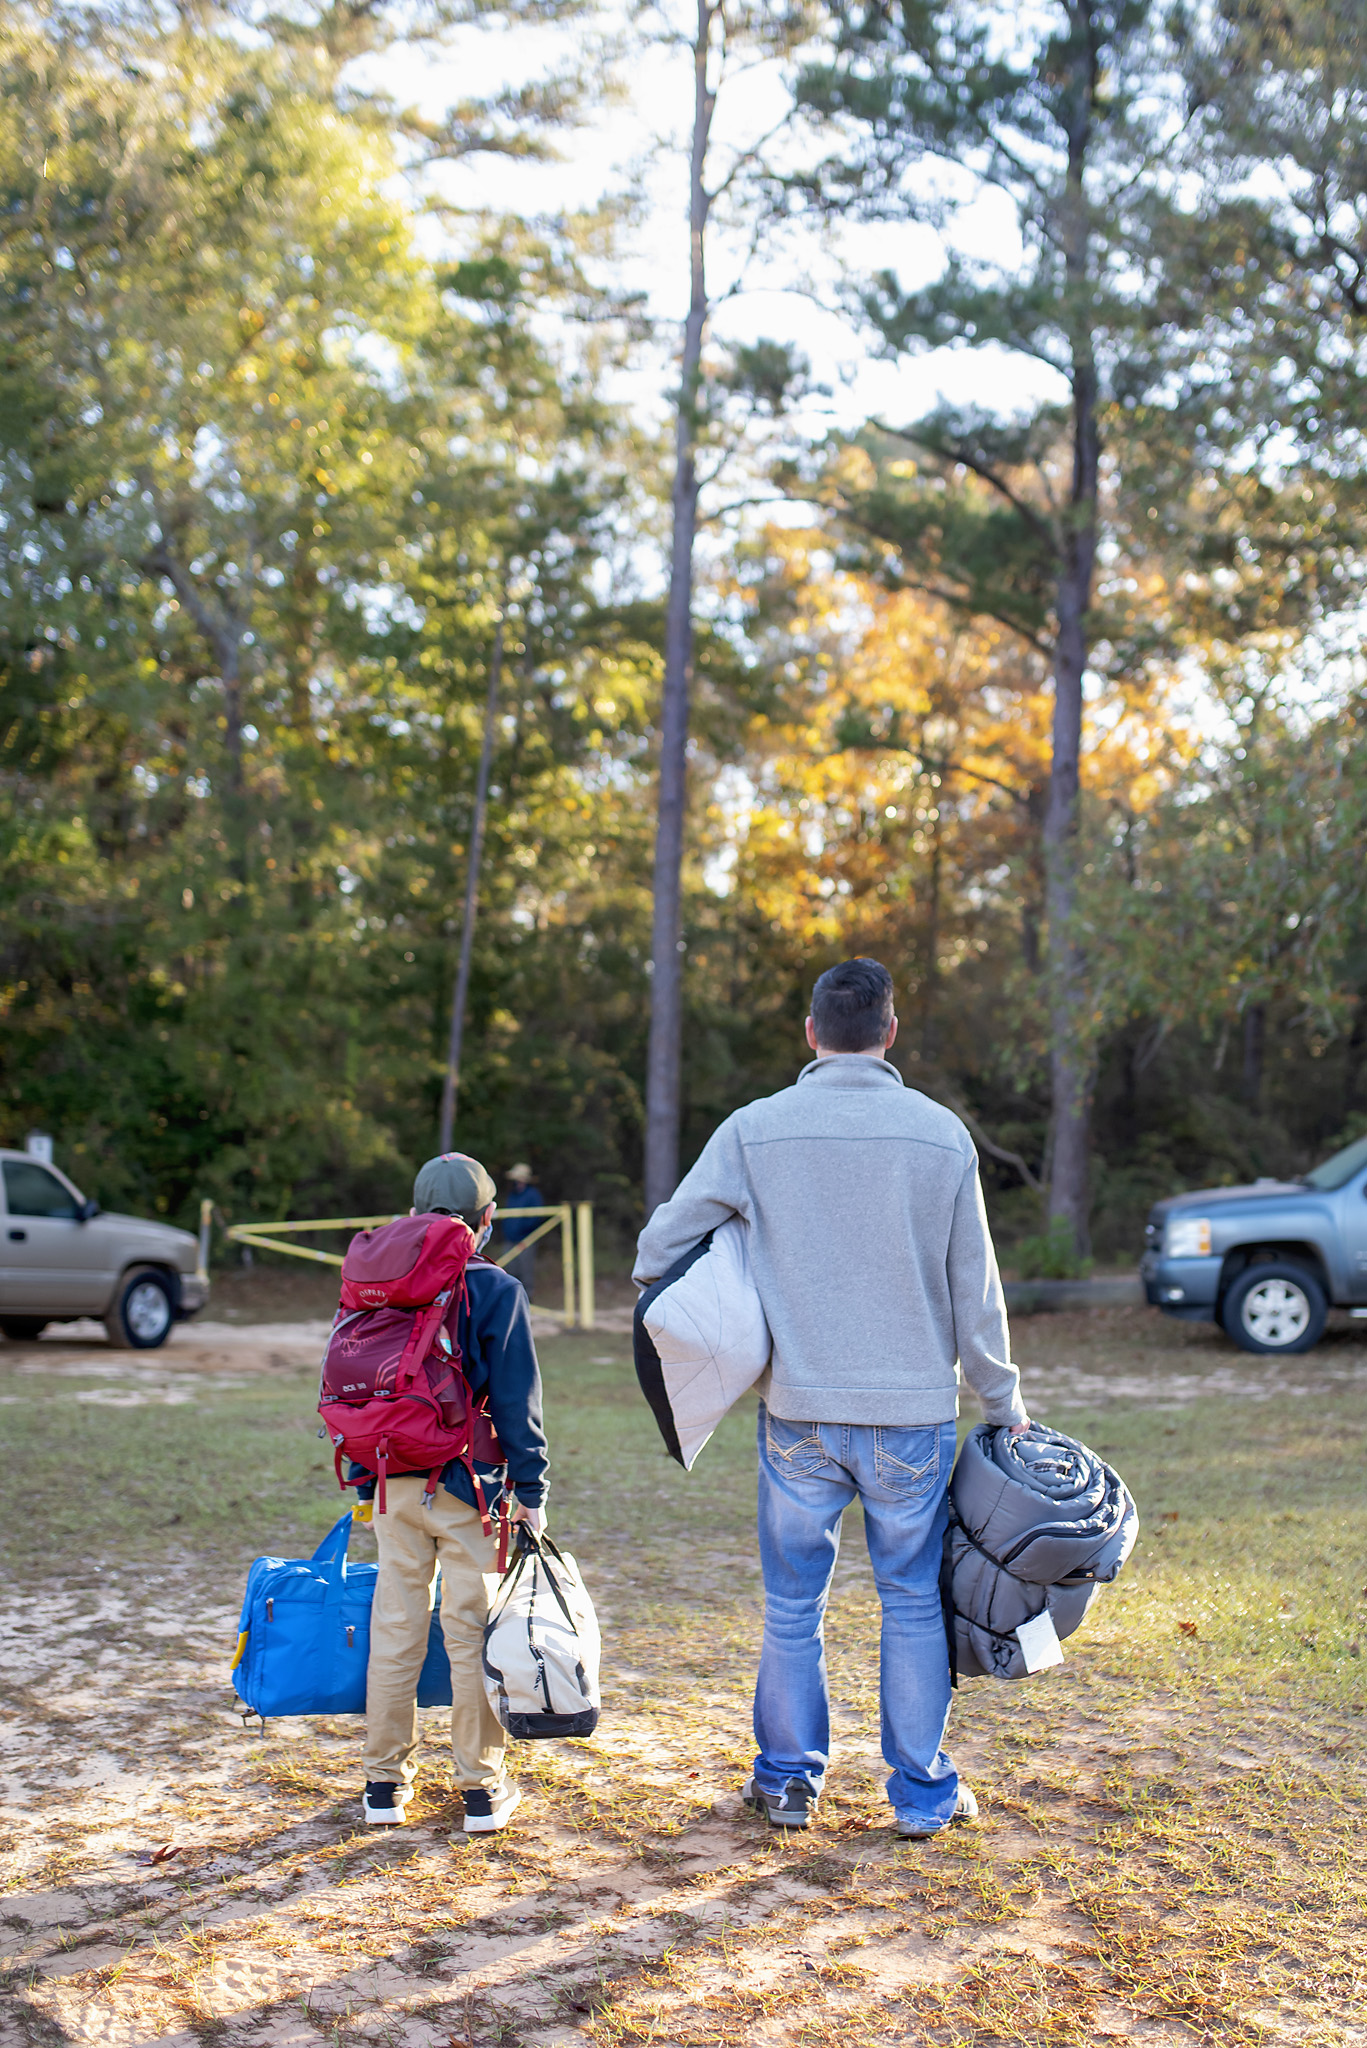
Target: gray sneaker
964,1814
793,1807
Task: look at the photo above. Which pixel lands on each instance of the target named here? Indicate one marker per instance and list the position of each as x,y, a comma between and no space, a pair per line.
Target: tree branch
1022,506
986,1144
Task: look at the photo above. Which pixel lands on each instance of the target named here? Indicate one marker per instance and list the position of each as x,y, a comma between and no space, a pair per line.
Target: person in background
525,1195
871,1253
493,1332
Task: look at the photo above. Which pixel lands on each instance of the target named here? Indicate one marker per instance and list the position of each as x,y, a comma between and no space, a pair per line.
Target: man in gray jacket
870,1248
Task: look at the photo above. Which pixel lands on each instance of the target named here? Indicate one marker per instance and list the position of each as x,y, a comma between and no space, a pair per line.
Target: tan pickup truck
62,1257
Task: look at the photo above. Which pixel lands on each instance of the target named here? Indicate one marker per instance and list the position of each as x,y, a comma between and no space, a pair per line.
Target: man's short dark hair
852,1006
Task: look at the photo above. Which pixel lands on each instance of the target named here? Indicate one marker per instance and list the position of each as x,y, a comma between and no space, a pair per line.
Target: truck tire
1276,1306
143,1314
23,1329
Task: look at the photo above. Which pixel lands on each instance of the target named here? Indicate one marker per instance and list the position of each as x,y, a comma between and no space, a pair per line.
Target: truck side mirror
87,1209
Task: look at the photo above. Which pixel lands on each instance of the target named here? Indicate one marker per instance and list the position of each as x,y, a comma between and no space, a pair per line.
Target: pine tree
1072,116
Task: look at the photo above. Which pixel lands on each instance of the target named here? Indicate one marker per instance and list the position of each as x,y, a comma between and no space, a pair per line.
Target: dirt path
635,1897
1155,1865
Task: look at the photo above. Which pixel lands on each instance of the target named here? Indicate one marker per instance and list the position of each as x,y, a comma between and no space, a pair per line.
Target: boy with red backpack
457,1514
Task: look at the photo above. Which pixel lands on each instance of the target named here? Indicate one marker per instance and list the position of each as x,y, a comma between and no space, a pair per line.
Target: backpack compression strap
420,1340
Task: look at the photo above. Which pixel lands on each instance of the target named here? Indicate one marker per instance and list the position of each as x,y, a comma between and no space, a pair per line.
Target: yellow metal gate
574,1220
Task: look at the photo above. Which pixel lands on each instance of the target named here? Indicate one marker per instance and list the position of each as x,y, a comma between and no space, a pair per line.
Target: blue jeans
809,1472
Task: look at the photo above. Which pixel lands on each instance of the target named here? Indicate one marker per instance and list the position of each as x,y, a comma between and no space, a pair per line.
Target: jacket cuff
532,1494
368,1482
1006,1415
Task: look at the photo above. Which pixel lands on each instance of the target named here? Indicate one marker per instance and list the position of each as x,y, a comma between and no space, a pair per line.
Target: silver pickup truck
62,1256
1268,1261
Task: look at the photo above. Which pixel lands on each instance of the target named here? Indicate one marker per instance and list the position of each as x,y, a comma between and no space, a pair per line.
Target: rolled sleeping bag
1038,1525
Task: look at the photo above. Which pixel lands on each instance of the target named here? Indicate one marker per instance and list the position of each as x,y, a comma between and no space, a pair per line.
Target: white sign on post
1039,1642
38,1145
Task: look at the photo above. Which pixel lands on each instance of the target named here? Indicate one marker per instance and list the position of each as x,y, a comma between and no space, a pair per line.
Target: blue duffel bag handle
330,1558
304,1636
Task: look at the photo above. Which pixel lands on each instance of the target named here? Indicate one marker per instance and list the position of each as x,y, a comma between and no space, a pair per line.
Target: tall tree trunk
300,639
1356,1059
451,1083
930,975
223,628
1033,885
230,675
1254,1042
1070,1056
666,985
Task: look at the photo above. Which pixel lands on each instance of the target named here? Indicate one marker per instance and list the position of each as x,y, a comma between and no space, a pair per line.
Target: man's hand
364,1511
533,1518
1019,1428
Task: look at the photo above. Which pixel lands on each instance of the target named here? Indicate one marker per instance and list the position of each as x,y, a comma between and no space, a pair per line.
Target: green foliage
266,481
1050,1255
270,471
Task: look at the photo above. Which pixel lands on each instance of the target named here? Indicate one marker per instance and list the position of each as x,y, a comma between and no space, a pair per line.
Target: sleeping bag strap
982,1550
947,1607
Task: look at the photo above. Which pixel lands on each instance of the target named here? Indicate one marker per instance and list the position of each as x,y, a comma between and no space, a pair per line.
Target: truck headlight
1188,1237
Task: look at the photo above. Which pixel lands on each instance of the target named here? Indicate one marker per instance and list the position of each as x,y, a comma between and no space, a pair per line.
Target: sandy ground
174,1878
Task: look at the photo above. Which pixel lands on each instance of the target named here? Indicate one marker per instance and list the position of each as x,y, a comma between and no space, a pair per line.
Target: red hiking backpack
392,1393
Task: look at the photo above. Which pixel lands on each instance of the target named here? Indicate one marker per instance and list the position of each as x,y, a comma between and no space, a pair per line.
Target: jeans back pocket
907,1461
794,1446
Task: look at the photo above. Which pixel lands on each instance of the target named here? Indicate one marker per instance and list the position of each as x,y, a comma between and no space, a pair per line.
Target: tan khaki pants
413,1541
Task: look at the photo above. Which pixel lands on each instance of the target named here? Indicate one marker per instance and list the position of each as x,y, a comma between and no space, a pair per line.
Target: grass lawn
1171,1847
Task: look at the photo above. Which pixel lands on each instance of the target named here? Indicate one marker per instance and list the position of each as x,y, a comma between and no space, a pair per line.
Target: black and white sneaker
487,1812
793,1807
964,1814
384,1803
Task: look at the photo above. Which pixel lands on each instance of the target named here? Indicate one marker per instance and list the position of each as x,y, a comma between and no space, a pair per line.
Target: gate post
567,1261
586,1301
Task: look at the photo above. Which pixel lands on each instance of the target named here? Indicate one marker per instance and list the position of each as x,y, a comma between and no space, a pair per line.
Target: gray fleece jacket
869,1247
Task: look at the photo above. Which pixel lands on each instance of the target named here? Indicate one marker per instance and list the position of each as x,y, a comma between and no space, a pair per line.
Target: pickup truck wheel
23,1328
142,1316
1275,1306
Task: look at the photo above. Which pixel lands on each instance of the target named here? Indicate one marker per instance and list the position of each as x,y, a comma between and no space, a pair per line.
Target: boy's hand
364,1511
534,1518
1019,1428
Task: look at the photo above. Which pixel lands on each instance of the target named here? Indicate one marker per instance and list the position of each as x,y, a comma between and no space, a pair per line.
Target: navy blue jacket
493,1332
522,1198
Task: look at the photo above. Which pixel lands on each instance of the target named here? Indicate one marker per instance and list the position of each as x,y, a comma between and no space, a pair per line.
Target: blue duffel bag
304,1638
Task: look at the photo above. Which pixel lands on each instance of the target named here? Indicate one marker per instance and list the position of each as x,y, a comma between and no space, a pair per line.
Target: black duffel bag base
542,1727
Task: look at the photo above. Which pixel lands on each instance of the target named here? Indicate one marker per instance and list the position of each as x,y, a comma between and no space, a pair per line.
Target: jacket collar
851,1070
